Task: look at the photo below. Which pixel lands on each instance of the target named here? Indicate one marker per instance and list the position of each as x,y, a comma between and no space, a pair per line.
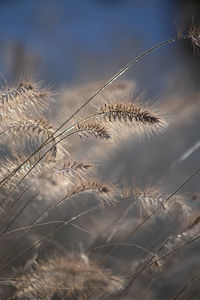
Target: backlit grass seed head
28,97
194,34
191,229
7,167
28,132
131,118
92,129
151,199
91,186
183,237
73,170
59,186
66,277
11,164
58,175
32,126
148,199
128,112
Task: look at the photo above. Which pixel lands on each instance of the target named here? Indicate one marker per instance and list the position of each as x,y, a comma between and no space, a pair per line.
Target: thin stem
34,165
125,244
55,143
188,284
40,225
117,75
147,218
18,214
45,215
46,237
157,260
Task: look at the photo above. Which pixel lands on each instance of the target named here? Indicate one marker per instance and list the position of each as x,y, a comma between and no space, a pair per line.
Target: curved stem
111,80
147,218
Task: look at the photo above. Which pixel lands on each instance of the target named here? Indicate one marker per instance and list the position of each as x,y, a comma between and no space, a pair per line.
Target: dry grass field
99,190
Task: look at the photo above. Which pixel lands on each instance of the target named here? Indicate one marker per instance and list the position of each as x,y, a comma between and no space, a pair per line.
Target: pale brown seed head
93,129
194,34
67,277
128,112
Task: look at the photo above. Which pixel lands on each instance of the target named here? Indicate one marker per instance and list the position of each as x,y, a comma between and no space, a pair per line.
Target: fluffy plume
73,171
67,277
72,167
32,130
60,175
10,165
128,112
150,199
128,117
183,237
194,33
30,126
26,98
93,129
60,185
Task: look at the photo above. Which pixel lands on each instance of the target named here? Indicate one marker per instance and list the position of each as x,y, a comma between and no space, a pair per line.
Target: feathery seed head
92,129
27,97
92,186
66,277
194,34
27,133
72,168
58,175
128,112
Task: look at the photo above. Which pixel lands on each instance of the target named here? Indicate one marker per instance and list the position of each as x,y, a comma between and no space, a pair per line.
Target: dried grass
40,182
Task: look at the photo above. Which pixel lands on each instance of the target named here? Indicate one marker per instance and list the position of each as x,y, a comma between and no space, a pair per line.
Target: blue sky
77,40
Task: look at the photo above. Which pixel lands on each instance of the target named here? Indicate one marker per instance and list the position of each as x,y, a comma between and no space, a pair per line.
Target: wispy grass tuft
71,276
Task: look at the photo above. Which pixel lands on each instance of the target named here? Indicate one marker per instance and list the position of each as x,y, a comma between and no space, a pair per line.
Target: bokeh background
79,41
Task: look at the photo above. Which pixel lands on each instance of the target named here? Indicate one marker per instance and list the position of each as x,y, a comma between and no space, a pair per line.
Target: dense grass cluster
66,232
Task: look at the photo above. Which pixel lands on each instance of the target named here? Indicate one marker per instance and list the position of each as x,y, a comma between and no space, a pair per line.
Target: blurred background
77,41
